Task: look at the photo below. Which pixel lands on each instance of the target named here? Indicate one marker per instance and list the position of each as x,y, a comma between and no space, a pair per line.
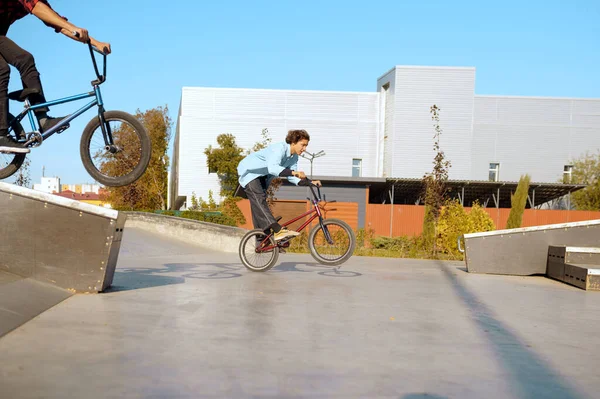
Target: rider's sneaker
49,122
9,144
285,233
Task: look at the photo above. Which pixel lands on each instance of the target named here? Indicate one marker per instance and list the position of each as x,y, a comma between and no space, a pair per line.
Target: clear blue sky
530,48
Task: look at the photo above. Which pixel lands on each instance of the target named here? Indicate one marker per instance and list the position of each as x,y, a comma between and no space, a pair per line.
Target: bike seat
22,95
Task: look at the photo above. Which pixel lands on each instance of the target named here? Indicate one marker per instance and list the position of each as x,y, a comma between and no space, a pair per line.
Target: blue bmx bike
115,147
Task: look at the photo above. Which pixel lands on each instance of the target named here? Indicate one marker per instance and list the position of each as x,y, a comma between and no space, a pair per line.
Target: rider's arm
51,18
60,24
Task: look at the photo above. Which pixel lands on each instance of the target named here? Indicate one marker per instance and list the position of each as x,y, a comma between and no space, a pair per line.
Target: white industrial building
388,133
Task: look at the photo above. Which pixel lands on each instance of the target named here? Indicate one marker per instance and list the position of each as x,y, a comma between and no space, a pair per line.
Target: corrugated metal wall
386,86
391,130
538,136
417,89
343,124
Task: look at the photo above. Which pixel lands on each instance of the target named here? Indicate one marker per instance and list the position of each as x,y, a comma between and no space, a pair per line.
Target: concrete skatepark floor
184,322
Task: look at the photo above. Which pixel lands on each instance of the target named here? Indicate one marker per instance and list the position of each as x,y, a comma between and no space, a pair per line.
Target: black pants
262,218
12,54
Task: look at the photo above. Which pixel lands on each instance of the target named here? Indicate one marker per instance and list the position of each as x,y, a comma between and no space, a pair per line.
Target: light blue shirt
269,161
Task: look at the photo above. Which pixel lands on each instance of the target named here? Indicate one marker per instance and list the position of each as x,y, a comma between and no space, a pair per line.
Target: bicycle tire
18,159
332,262
138,170
251,235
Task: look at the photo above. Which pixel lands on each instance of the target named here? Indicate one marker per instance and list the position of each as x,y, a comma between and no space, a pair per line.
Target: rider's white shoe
9,144
285,233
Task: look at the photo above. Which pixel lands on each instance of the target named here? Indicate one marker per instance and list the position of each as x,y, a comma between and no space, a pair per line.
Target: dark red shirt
13,10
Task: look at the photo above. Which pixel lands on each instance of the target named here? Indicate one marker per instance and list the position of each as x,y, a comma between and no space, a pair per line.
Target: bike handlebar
103,52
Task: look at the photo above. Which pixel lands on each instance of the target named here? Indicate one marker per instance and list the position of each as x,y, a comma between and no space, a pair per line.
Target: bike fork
325,231
106,132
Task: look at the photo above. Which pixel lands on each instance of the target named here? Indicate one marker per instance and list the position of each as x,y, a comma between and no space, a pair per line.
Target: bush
455,221
363,237
480,220
231,210
210,217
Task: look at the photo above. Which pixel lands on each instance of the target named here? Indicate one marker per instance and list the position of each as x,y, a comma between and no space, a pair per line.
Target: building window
567,173
356,167
494,172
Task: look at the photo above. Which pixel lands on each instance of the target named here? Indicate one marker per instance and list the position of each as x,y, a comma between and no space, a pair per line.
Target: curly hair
295,136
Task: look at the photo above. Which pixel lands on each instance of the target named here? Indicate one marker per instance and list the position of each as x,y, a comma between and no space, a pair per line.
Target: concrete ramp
22,299
58,241
524,251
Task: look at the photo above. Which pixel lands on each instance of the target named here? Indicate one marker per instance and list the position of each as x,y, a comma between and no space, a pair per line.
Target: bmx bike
115,147
331,242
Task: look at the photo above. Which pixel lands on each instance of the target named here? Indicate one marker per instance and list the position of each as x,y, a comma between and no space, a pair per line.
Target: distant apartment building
81,188
48,185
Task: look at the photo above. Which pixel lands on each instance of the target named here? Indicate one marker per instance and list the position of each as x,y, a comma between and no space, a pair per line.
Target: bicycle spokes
331,241
122,155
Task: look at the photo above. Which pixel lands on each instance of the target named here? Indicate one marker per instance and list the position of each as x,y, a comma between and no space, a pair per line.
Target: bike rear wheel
11,162
120,165
339,249
251,254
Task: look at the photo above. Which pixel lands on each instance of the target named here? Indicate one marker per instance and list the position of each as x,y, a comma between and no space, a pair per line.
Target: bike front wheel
332,243
256,253
126,160
11,162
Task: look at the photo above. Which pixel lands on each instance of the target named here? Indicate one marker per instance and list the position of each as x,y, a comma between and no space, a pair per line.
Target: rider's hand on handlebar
81,35
317,183
104,47
300,175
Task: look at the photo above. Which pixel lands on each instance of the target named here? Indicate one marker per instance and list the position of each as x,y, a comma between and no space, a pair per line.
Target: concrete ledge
206,235
524,251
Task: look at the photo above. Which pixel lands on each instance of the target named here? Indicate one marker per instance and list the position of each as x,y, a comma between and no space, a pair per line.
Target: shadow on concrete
176,273
133,279
528,373
323,270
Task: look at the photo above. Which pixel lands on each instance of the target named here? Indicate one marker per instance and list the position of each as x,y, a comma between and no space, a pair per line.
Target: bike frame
29,110
97,101
315,212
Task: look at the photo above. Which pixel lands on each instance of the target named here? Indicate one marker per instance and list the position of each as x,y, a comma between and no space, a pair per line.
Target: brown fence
407,220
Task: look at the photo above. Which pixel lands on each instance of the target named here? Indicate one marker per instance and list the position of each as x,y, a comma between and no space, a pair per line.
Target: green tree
435,186
518,201
224,160
586,170
150,190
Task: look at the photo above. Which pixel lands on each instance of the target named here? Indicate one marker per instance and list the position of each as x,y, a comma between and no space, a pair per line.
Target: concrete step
586,277
578,266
